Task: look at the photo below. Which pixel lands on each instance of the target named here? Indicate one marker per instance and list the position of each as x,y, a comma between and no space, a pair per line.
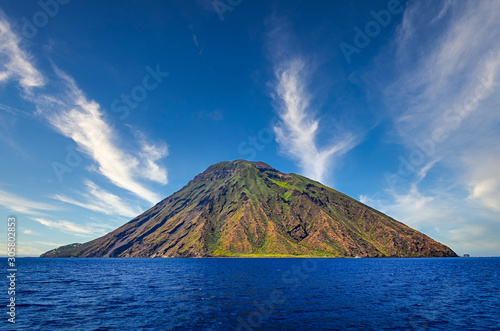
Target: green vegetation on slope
249,209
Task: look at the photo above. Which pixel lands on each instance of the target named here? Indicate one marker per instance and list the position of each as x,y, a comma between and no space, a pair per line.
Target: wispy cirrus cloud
22,205
448,86
443,95
465,227
415,208
149,154
294,93
48,243
73,228
16,64
97,199
483,179
65,226
298,129
73,115
452,92
82,120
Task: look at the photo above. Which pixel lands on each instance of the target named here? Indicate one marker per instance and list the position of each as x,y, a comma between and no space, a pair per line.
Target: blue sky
106,107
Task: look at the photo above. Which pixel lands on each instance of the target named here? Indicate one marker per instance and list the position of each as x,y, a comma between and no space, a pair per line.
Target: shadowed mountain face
243,208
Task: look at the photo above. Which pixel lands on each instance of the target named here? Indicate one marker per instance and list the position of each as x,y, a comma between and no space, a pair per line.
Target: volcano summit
243,208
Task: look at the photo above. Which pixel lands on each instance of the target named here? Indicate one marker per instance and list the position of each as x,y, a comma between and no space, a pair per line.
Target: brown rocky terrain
243,208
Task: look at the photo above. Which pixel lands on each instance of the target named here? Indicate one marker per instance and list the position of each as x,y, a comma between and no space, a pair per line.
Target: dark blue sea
255,294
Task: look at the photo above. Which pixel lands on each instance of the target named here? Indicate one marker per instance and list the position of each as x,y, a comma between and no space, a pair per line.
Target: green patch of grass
250,194
221,253
191,241
285,208
159,239
282,184
287,185
287,196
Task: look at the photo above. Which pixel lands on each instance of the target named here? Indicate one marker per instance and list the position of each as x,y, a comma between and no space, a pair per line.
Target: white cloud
15,63
446,88
443,214
411,207
74,116
102,201
21,205
149,155
83,121
483,180
65,226
487,191
26,249
443,97
73,228
298,129
463,226
478,239
30,232
45,243
9,109
23,249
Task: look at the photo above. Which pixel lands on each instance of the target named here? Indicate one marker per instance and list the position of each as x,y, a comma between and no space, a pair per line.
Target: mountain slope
243,208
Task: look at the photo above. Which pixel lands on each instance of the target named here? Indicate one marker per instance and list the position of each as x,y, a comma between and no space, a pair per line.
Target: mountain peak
244,208
242,163
227,169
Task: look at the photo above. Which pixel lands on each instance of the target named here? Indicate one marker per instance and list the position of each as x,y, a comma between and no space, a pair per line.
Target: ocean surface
255,294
